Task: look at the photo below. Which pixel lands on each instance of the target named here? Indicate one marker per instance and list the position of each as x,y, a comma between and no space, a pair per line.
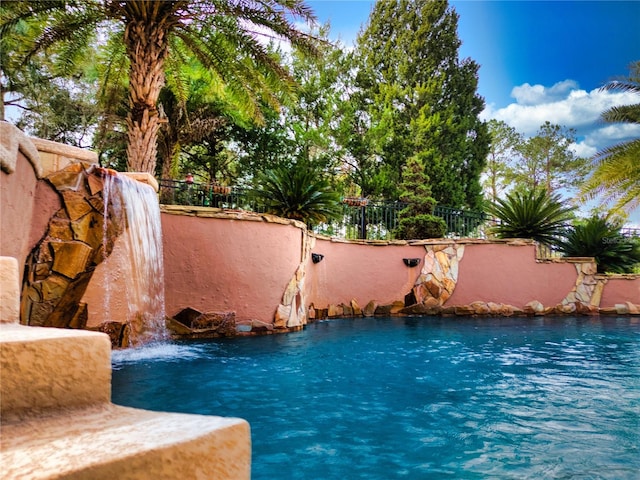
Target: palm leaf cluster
598,238
616,178
537,215
298,192
227,37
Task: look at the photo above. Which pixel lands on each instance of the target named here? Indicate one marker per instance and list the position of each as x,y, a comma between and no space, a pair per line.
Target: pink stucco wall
216,264
509,274
360,272
17,199
620,290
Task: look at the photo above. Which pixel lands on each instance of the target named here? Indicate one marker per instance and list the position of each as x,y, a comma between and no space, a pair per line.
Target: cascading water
142,240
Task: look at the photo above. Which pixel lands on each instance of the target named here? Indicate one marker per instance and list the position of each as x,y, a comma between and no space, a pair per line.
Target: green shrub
537,215
417,221
598,238
421,226
298,192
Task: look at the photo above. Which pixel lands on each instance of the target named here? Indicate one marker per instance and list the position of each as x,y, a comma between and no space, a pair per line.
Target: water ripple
425,398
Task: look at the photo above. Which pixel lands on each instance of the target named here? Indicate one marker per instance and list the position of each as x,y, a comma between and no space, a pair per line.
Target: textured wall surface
361,272
621,289
226,264
509,274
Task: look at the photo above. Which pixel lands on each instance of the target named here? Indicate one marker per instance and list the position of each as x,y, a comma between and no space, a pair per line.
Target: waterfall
142,238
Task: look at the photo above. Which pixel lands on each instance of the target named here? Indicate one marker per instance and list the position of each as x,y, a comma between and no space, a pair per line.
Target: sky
539,60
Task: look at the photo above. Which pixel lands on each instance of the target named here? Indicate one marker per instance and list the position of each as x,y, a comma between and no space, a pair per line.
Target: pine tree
417,221
424,97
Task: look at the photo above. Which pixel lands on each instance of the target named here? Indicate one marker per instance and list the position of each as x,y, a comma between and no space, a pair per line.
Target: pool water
413,397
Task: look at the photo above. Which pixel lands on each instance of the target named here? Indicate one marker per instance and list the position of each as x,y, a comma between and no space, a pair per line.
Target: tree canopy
223,35
421,97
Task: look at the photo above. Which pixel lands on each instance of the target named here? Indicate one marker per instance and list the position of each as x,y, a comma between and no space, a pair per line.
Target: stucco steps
113,442
58,421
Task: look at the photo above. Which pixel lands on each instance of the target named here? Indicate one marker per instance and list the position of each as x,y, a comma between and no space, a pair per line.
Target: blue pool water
414,398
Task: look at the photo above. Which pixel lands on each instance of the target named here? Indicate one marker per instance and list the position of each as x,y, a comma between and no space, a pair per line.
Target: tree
422,97
548,161
360,140
616,176
498,172
534,214
299,192
221,35
417,221
600,238
309,119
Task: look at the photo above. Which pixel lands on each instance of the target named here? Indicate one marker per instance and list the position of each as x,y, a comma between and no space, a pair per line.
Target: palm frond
601,239
534,214
298,192
622,113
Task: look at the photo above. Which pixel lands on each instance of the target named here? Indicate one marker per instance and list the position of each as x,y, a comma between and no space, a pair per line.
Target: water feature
428,397
144,277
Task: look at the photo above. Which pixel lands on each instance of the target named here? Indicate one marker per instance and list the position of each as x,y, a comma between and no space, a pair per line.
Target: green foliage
616,176
548,161
60,112
417,221
299,192
421,226
420,98
498,171
601,239
308,120
537,215
222,36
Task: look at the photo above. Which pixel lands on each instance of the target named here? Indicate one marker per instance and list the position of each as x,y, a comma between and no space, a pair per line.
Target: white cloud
527,94
567,105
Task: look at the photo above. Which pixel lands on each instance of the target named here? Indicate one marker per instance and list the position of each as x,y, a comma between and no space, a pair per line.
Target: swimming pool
413,397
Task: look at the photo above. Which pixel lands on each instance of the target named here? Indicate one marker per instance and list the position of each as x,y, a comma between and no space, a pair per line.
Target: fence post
363,222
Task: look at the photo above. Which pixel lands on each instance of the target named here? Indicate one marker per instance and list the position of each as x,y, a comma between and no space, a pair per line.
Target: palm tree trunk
147,49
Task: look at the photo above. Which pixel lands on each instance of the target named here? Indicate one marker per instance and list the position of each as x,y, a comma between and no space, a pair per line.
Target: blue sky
539,60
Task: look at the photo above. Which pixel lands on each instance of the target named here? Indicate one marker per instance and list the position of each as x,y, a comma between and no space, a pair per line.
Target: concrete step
58,422
110,442
46,369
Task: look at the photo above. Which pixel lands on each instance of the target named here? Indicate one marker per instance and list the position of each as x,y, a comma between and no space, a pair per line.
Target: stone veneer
439,275
76,241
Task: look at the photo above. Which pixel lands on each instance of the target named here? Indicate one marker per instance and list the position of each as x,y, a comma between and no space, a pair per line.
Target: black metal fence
370,220
630,232
378,220
181,192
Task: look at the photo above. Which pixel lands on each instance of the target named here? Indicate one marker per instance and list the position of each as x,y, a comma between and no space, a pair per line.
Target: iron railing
378,220
181,192
630,232
370,220
367,220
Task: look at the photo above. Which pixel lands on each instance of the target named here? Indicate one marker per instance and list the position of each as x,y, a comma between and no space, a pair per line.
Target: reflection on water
384,398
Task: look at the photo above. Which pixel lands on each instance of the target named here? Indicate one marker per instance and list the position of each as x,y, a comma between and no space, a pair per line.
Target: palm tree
600,238
298,192
535,214
223,35
617,168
